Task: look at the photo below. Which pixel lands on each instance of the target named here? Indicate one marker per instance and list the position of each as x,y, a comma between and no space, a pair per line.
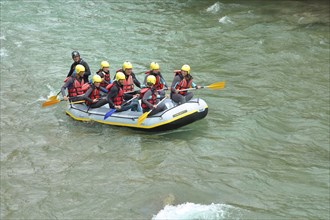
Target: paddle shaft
137,91
58,93
214,86
53,102
182,90
129,100
145,115
76,102
112,110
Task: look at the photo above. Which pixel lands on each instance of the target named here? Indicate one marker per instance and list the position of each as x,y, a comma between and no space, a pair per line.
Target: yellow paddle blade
142,117
217,85
50,102
54,97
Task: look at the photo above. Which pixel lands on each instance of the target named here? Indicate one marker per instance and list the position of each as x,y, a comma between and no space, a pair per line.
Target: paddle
213,86
145,115
54,96
53,102
112,110
109,113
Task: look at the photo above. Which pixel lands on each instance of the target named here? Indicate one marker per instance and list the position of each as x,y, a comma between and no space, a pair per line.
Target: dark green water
262,152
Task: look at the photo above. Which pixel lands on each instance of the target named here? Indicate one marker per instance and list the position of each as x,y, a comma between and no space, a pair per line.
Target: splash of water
195,211
225,20
214,8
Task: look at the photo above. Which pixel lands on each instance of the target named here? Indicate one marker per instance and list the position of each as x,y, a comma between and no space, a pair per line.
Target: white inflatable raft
173,117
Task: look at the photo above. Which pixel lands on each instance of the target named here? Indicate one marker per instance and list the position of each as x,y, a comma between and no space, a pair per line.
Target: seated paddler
116,96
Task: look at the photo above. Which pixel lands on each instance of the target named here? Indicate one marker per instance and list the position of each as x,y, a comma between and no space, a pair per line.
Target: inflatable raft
173,117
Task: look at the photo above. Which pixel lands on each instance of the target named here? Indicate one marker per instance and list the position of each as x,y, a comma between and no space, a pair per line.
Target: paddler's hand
136,96
65,98
117,107
95,100
154,106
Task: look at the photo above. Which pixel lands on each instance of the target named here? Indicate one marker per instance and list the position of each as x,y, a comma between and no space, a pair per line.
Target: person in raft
149,97
74,85
104,73
117,96
92,94
76,61
182,80
160,84
130,78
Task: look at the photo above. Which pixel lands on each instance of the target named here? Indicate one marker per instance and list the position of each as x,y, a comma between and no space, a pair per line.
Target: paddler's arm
112,94
86,95
145,99
87,69
71,69
103,89
128,96
175,82
65,86
162,80
193,85
135,80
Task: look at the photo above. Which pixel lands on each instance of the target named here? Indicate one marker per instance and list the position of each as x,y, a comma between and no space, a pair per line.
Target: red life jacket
158,85
105,76
85,87
118,100
108,87
183,84
95,94
128,82
152,99
76,88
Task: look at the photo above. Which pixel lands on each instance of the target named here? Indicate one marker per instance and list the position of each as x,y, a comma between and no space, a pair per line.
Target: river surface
262,152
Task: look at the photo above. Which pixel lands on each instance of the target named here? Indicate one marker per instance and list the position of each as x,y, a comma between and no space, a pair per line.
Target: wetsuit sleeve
128,96
175,82
87,70
135,80
145,80
112,94
162,80
145,99
66,85
86,95
103,89
71,70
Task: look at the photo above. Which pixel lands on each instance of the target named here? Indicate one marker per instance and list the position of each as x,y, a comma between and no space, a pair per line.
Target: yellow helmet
104,64
127,65
186,68
96,79
151,79
80,68
154,66
120,75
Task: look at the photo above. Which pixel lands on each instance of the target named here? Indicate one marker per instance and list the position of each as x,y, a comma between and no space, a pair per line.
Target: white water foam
52,91
3,52
18,43
214,8
195,211
225,20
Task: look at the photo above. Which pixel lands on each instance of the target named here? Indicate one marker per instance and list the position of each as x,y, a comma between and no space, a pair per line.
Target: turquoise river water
262,152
